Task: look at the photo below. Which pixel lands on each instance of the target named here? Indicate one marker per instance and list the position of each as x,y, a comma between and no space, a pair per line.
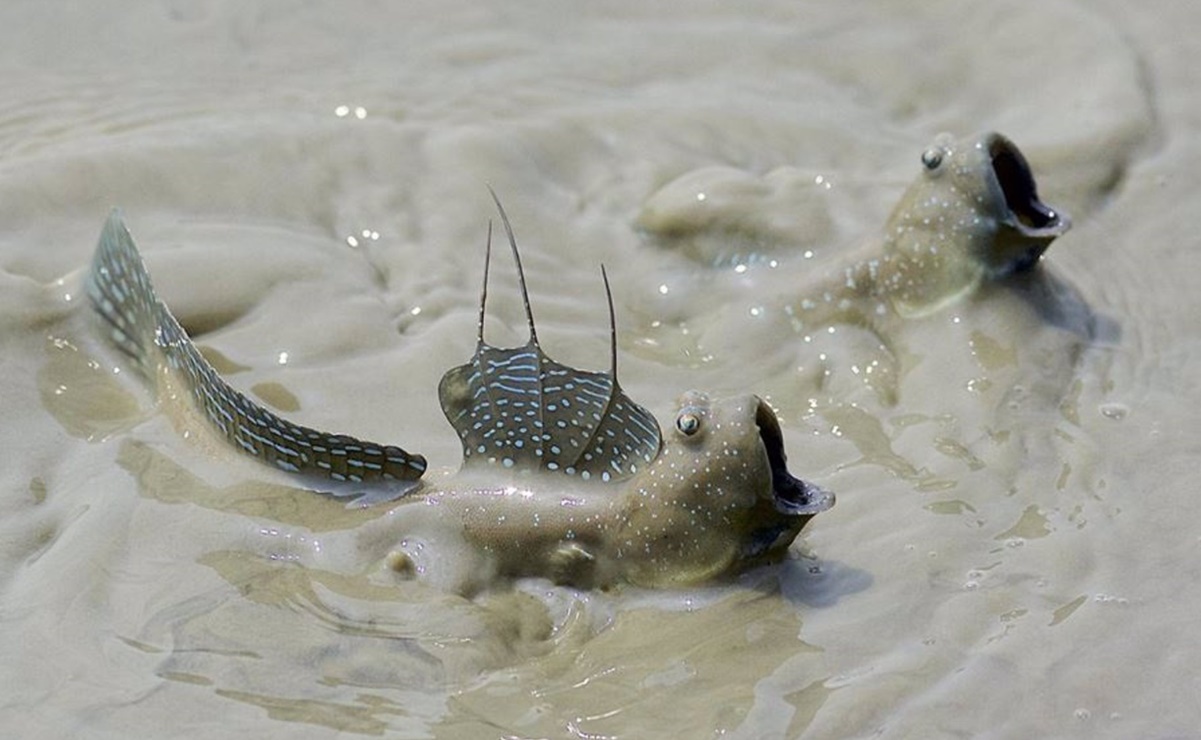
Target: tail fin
144,328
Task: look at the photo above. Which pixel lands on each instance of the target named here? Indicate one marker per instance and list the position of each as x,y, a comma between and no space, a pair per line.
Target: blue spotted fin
143,328
517,408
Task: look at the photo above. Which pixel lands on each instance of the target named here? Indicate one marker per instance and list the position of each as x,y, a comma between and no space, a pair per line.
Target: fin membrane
517,408
143,328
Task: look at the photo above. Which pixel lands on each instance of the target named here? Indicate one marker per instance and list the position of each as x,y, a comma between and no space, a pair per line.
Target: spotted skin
519,408
143,328
972,214
715,501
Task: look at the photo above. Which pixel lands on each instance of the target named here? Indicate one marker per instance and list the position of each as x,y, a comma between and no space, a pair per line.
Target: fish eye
932,158
688,423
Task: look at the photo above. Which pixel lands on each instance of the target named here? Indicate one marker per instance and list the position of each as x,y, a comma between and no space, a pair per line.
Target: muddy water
1013,551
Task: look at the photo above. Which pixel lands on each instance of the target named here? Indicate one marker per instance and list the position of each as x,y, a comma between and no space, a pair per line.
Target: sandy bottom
1014,549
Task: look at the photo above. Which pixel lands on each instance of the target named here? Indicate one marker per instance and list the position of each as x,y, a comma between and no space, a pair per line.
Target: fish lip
790,495
1027,213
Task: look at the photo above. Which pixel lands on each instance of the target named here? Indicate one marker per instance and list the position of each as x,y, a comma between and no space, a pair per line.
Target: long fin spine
612,325
525,293
484,289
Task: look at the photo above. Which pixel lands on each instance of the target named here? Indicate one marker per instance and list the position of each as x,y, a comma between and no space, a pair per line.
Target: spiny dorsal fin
517,408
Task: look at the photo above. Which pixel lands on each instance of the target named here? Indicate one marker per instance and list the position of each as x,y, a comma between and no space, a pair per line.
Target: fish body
716,501
563,475
833,321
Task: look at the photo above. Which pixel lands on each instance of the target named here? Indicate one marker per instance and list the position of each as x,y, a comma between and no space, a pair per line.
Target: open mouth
791,495
1021,194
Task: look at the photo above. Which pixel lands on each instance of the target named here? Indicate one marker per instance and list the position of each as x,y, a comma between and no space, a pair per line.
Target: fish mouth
791,496
1037,223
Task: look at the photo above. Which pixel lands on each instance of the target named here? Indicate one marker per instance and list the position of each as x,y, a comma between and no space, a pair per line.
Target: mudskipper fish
563,476
973,214
969,230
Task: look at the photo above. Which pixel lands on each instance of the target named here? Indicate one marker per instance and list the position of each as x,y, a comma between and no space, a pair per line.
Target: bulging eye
932,158
688,423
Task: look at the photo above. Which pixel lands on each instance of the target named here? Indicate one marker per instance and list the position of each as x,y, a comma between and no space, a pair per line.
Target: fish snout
1030,225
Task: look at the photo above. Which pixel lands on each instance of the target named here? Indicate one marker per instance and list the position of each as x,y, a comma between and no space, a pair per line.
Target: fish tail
143,328
121,293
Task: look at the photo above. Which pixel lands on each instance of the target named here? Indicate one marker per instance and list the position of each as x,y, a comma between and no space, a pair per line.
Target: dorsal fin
142,326
517,408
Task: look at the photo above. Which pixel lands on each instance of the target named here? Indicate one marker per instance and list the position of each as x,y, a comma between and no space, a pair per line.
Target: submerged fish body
563,476
969,226
970,219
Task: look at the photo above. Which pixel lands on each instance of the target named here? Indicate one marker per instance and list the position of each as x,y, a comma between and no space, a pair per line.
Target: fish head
718,498
973,213
709,498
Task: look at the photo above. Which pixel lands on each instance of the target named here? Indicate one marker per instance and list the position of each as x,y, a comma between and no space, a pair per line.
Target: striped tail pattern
142,327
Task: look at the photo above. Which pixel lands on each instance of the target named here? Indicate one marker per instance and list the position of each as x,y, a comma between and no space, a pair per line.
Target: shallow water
1013,550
